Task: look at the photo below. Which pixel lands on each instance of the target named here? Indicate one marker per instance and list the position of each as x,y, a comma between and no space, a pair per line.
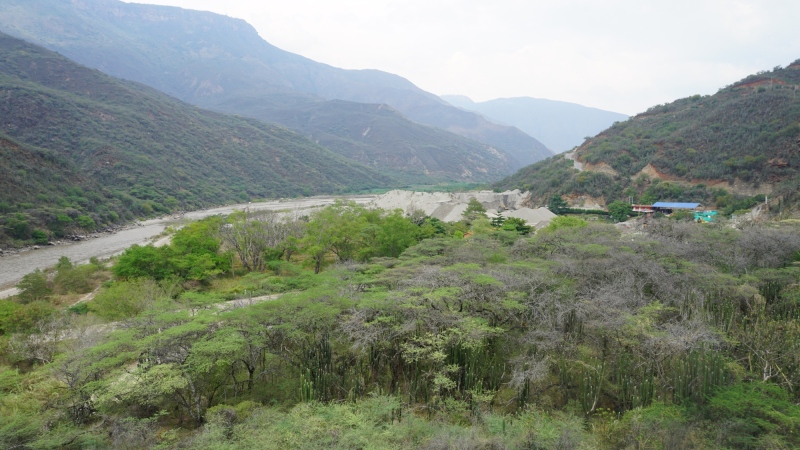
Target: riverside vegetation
357,328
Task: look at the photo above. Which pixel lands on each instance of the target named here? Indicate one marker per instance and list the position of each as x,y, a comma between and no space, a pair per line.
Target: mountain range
78,142
560,126
221,63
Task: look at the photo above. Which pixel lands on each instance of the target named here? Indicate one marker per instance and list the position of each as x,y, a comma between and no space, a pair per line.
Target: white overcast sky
619,55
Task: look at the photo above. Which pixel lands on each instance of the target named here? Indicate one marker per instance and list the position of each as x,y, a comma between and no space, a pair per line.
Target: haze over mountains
221,63
558,125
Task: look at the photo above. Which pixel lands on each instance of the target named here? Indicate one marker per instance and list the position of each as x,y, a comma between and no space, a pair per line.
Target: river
14,267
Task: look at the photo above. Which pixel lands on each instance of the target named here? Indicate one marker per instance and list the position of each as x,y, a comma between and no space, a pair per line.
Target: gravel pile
449,207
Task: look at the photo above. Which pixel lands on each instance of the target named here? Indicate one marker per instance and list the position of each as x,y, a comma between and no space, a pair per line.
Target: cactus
695,375
306,387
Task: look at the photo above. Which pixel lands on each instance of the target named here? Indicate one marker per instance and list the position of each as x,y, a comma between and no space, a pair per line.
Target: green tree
498,220
619,210
31,316
18,227
558,205
144,262
259,237
183,360
475,210
195,250
126,299
562,222
396,234
40,237
758,415
64,263
34,287
60,226
73,279
516,224
431,227
342,228
481,225
8,310
86,222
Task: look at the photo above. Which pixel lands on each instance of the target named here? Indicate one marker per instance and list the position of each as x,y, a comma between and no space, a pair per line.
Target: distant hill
743,140
558,125
76,141
380,137
221,63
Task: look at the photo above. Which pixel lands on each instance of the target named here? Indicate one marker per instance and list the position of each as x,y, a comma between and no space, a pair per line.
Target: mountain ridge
380,137
135,151
207,59
557,124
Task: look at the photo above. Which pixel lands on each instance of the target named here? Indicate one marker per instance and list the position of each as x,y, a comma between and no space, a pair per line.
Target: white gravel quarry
537,218
449,207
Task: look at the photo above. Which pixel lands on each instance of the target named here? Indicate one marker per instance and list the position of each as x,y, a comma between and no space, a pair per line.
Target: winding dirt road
575,163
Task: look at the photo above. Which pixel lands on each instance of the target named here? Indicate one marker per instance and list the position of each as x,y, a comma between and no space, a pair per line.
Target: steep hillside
744,139
32,176
211,60
558,125
380,137
152,152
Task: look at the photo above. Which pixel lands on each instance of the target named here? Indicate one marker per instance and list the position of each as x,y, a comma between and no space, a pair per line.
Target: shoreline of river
17,263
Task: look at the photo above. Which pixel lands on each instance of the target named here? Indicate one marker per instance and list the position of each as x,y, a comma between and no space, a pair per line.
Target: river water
14,267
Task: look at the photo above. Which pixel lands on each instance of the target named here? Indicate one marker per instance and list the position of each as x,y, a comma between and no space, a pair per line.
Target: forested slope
744,139
150,152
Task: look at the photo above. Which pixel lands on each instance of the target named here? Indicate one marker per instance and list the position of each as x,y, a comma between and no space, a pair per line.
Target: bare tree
258,237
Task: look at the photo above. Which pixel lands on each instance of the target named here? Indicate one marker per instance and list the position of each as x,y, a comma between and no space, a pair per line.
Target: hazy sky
619,55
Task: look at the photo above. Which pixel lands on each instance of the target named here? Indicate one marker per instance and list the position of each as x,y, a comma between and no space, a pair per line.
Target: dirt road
575,163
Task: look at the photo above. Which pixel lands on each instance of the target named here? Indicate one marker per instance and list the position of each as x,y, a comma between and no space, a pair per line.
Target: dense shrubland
746,135
354,328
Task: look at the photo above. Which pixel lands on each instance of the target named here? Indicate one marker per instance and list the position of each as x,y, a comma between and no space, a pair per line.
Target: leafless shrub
680,337
252,234
528,369
761,247
42,346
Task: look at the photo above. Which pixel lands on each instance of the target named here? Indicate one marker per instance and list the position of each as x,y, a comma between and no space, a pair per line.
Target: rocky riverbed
15,263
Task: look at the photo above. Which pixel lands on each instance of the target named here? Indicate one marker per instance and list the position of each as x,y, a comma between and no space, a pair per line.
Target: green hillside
221,63
743,140
150,152
42,194
380,137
